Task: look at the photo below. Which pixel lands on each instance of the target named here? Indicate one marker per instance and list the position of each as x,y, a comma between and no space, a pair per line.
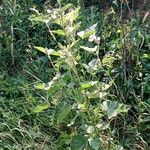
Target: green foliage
78,142
61,112
41,107
73,78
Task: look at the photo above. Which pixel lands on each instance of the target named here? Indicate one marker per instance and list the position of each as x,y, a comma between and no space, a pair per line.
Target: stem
12,33
12,44
128,7
121,10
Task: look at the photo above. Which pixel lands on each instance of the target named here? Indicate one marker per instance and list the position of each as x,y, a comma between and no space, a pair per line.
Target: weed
73,78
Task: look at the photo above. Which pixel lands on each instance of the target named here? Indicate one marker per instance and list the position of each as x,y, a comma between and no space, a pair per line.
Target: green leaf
41,49
59,32
71,16
38,18
113,108
67,6
89,31
79,142
94,143
93,66
76,27
39,86
108,60
47,51
86,85
53,52
61,112
41,107
92,50
146,56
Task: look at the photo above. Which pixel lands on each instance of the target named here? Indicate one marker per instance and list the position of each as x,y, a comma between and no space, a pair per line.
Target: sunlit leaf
93,94
90,129
47,51
146,56
108,59
53,52
39,86
38,18
92,50
76,27
41,49
89,31
66,7
105,86
94,64
59,32
71,16
41,107
113,108
86,85
102,94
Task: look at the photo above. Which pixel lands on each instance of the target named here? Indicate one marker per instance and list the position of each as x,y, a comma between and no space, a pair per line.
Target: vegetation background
74,75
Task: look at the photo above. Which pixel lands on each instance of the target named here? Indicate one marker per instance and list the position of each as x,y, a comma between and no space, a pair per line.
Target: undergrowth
73,77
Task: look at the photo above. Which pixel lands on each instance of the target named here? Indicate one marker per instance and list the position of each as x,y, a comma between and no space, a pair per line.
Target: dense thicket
74,75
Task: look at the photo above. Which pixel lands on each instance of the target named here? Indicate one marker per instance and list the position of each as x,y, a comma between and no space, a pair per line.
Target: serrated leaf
89,31
61,112
79,142
41,107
